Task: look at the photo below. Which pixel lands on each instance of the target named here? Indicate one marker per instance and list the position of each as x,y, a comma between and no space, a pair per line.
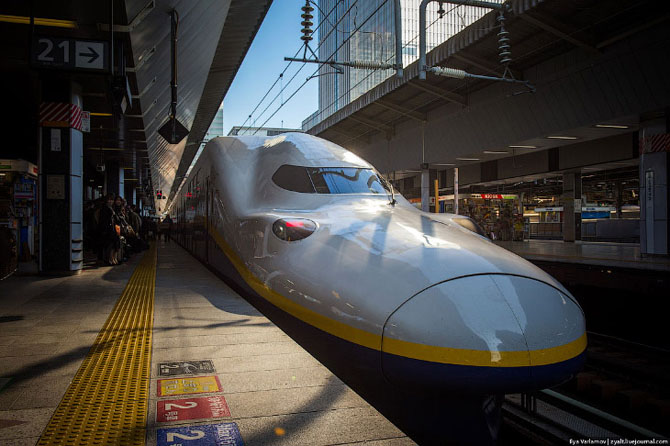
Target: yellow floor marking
181,386
107,401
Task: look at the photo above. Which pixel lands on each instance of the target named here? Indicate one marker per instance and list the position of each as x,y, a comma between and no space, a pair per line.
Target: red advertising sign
191,409
492,196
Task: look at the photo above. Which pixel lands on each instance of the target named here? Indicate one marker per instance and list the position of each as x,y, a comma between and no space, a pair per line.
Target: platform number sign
220,434
192,409
70,54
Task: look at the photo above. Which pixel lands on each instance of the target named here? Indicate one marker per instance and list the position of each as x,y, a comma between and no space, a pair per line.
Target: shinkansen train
418,313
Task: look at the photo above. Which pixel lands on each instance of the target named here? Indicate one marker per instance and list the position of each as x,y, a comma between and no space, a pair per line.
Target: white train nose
484,333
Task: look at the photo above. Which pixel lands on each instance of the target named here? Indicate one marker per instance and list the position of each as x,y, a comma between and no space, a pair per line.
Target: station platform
160,351
616,255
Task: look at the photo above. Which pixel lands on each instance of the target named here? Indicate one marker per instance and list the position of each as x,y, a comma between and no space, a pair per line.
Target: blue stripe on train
426,375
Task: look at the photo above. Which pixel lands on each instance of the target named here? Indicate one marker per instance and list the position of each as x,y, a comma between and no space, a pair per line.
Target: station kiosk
18,214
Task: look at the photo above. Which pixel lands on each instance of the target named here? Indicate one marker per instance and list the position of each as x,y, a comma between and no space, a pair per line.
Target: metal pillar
113,178
425,189
571,200
654,167
122,184
455,190
61,172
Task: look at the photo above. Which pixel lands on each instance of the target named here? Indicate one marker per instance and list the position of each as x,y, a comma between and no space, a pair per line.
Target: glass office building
216,127
364,31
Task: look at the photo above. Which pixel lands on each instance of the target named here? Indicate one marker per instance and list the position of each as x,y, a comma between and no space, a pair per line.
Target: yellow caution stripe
483,358
108,399
444,355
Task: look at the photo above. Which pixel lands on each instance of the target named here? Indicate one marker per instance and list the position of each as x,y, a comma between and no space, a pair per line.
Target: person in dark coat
107,231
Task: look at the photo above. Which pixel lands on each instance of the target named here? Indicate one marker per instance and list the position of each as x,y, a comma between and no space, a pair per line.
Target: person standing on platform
167,228
108,233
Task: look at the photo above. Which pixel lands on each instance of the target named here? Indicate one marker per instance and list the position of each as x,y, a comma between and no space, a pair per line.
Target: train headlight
292,229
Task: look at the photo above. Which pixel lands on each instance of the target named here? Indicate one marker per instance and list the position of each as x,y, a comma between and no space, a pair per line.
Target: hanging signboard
66,53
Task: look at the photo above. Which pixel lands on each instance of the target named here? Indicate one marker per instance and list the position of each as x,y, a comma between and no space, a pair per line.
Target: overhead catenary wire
287,67
303,65
332,54
374,70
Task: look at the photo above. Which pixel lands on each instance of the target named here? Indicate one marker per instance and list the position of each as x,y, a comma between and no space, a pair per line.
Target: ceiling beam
542,22
422,117
375,125
439,92
633,31
341,132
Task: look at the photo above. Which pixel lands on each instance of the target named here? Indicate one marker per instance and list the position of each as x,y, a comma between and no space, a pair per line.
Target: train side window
293,178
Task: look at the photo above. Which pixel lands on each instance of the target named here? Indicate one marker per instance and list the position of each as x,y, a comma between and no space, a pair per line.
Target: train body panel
418,301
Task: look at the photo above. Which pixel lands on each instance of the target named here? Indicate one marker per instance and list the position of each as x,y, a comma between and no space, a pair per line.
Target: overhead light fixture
562,137
495,152
611,126
22,20
101,114
467,159
516,146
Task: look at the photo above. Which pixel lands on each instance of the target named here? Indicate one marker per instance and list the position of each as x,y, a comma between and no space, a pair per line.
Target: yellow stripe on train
444,355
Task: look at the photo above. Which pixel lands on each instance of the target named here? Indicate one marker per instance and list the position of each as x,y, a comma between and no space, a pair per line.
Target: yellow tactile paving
107,400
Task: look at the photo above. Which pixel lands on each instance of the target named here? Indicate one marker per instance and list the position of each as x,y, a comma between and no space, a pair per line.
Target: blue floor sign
221,434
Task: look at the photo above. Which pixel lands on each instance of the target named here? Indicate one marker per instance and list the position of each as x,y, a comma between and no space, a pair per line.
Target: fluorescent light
38,21
611,126
467,159
522,147
562,137
495,152
100,114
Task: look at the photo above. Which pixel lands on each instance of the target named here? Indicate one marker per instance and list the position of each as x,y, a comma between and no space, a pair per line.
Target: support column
61,172
122,182
571,200
455,190
113,178
654,161
425,188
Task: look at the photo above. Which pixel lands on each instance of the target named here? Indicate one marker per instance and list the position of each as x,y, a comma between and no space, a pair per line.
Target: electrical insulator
503,42
307,22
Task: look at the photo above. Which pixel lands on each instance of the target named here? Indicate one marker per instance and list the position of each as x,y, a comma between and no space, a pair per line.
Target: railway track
628,379
623,393
548,417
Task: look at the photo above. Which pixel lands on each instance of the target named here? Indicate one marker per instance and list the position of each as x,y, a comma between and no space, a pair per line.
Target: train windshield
329,180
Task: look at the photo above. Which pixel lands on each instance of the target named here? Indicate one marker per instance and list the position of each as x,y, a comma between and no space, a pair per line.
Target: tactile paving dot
107,400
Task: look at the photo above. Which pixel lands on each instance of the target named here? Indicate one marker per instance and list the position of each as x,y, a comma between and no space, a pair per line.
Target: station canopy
128,107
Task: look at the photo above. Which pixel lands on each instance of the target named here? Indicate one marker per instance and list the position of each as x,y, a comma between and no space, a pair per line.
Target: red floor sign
191,409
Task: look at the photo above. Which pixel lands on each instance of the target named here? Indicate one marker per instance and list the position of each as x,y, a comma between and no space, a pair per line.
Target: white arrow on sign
89,55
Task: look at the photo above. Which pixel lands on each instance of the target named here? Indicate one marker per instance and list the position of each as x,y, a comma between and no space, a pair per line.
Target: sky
278,36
